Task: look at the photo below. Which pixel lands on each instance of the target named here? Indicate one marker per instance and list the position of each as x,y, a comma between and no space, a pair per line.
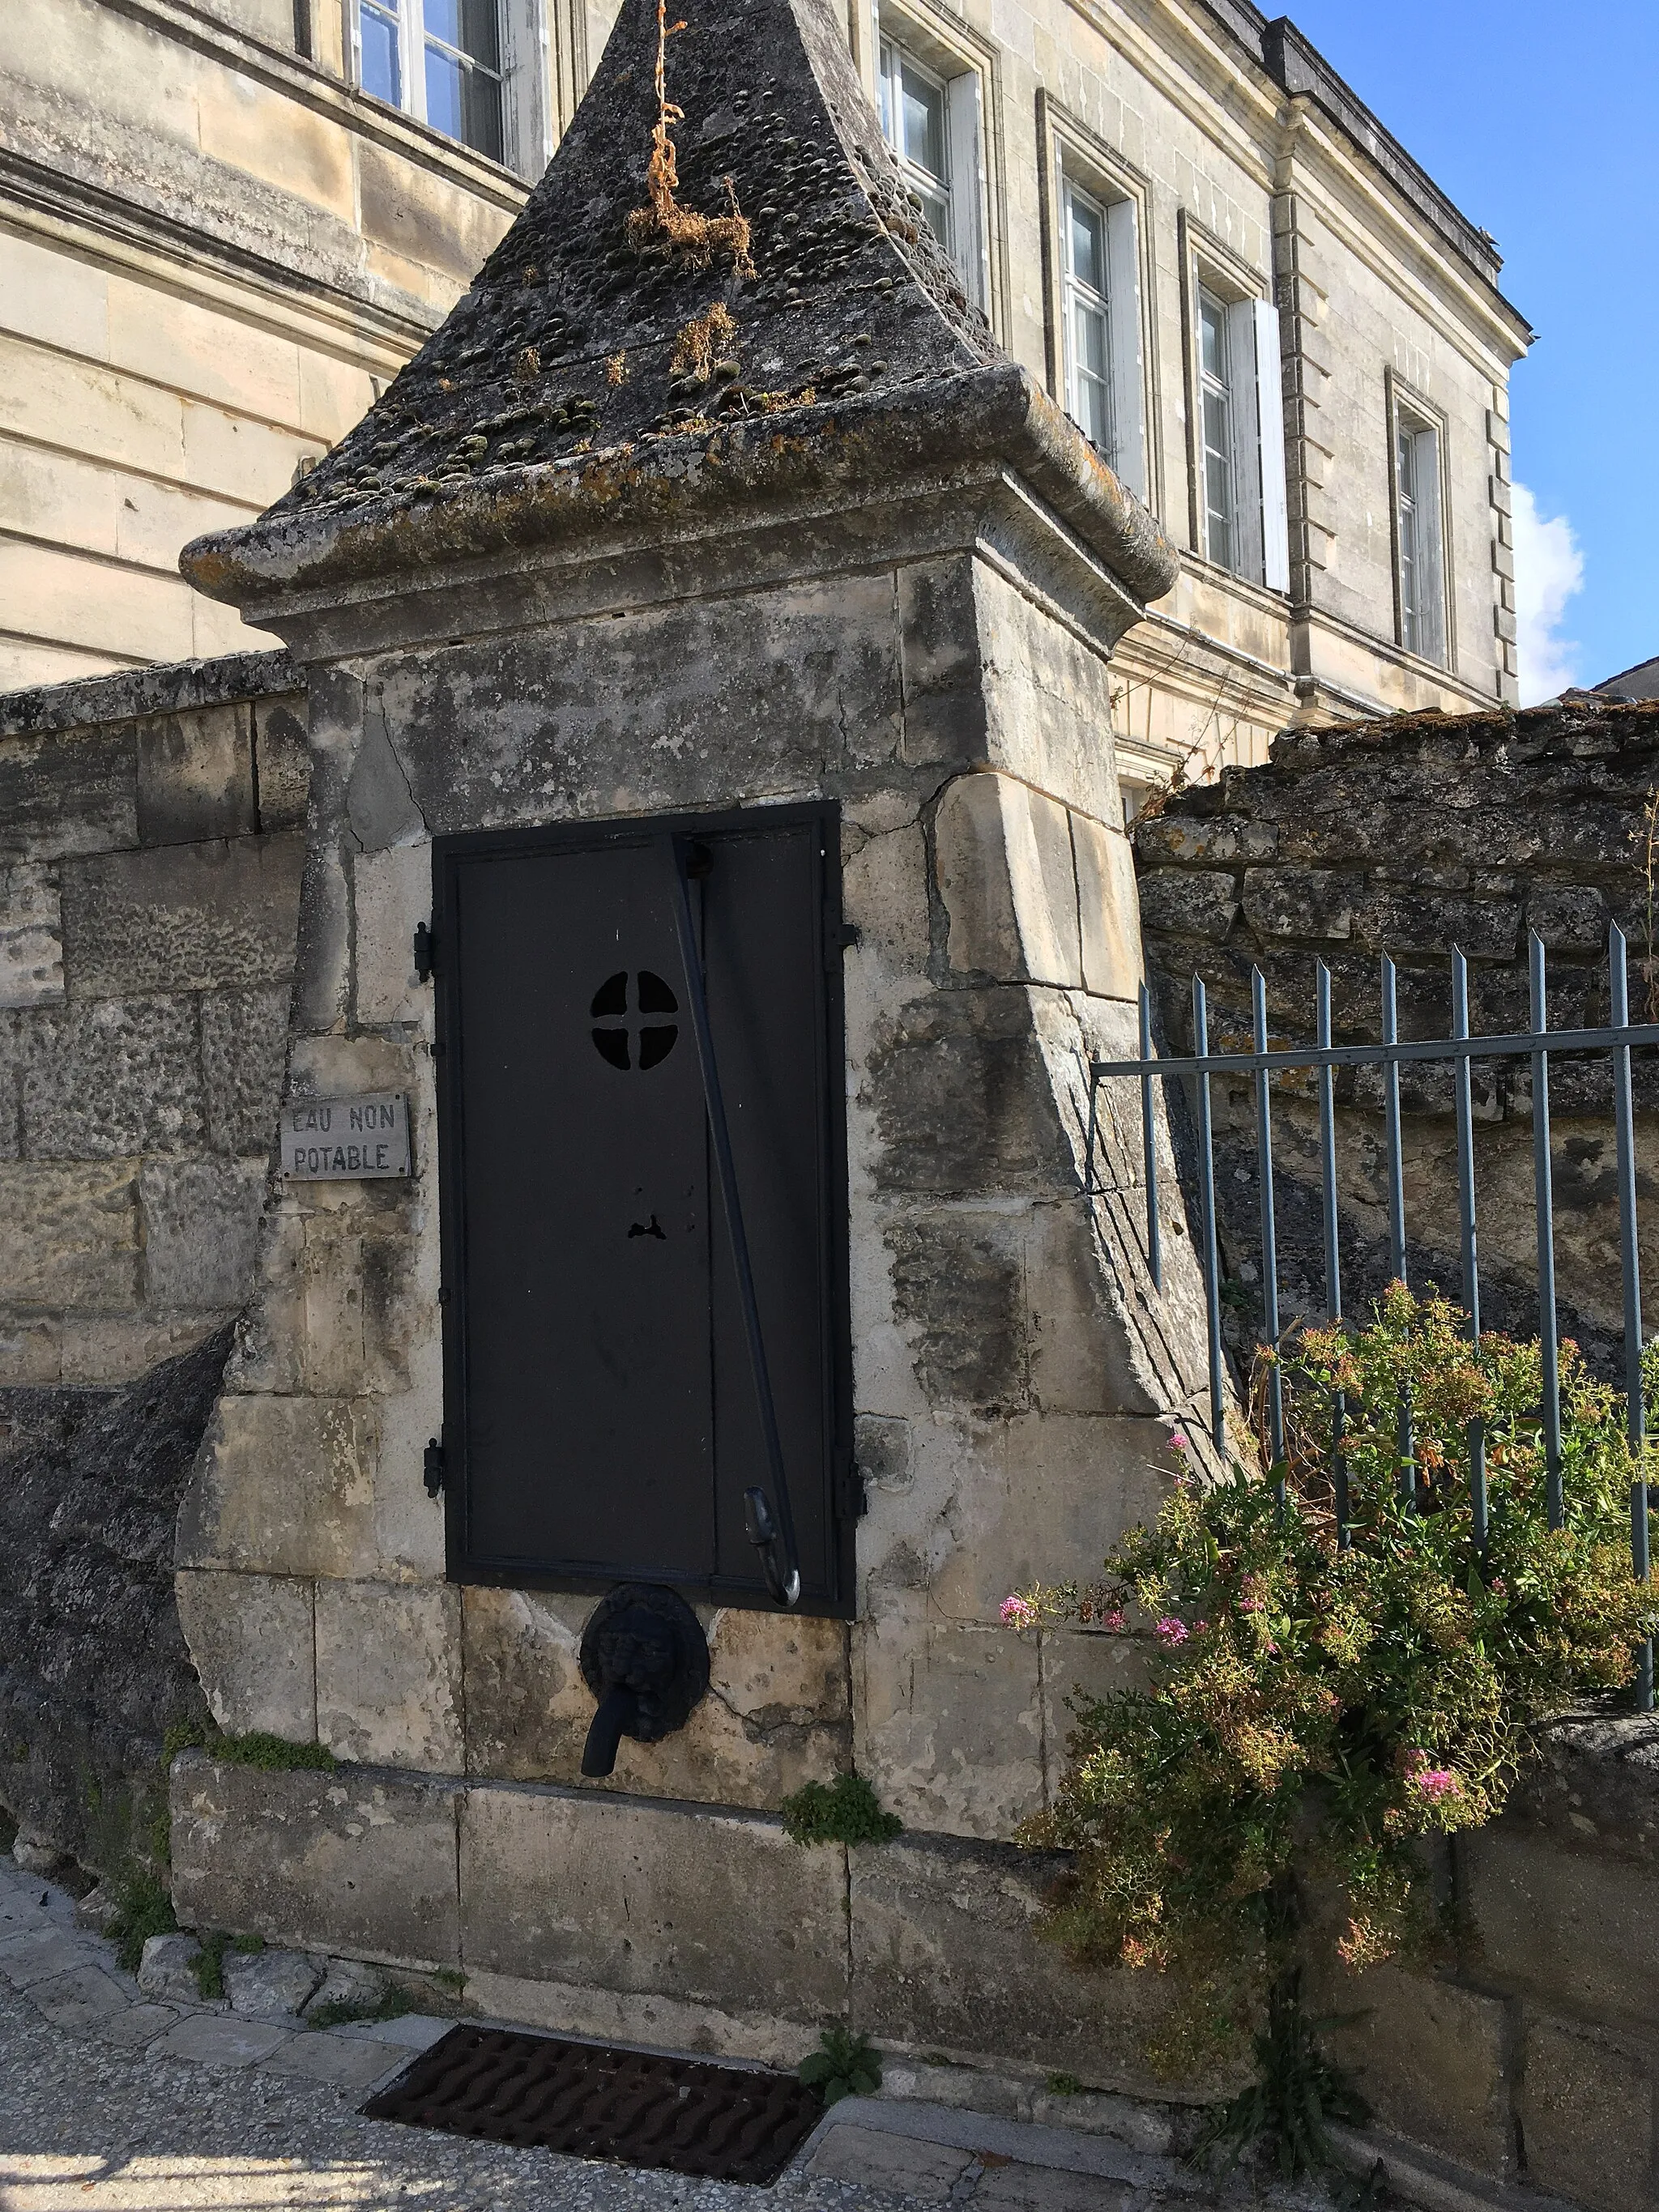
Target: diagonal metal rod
1264,1127
1635,1406
1333,1247
1404,1440
1466,1215
1149,1147
786,1591
1211,1254
1544,1206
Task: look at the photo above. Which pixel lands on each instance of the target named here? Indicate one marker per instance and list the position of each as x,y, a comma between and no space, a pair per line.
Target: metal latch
851,1500
435,1471
425,951
840,936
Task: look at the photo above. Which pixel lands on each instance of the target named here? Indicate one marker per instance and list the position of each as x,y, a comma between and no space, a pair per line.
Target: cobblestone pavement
111,2104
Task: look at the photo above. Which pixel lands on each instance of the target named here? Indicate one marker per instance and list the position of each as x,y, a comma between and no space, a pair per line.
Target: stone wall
1532,2054
1407,837
151,838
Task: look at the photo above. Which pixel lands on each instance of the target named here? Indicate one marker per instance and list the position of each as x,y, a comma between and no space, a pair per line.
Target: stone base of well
658,1922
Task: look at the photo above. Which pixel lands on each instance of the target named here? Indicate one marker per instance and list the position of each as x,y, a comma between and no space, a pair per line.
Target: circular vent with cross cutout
629,1028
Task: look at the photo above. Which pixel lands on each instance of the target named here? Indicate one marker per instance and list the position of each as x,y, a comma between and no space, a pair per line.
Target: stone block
244,1048
958,1090
710,1908
68,790
947,1957
389,1674
1017,2187
183,917
1587,2117
200,1221
352,1862
251,1642
392,892
1486,928
1109,916
948,1715
69,1232
1212,840
1314,904
135,2027
1569,917
110,1077
31,936
271,1984
1003,859
348,1982
196,776
283,762
776,1714
283,1486
379,804
1189,903
958,1296
1578,1931
166,1970
944,707
1431,2059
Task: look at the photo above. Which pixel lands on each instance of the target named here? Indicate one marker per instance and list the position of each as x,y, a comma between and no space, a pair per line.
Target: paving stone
165,1970
134,2026
221,2041
413,2031
896,2163
1016,2188
271,1984
82,1997
42,1956
96,1911
22,1907
347,2061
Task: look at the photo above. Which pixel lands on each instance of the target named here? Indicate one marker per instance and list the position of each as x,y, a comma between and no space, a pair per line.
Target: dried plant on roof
665,229
703,340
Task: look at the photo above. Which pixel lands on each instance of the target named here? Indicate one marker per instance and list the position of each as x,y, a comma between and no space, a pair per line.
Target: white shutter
1270,429
967,159
1244,395
1432,549
1128,367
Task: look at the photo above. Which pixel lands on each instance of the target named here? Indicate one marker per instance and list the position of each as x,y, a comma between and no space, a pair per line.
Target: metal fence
1618,1040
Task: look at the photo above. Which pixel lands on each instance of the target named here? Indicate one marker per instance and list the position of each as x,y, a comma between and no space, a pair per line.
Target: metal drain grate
722,2123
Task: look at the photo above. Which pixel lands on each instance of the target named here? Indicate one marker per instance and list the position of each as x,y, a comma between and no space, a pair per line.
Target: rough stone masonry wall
151,832
1535,2055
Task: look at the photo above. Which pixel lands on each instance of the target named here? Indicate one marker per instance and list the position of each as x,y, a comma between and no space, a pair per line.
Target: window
1419,536
1089,321
1239,442
931,118
442,61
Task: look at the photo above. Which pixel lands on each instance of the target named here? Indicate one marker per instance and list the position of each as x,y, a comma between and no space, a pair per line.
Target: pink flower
1198,1627
1179,1440
1113,1621
1172,1631
1438,1783
1018,1613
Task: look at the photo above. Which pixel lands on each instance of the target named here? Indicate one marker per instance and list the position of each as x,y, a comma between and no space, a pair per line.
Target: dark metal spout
618,1711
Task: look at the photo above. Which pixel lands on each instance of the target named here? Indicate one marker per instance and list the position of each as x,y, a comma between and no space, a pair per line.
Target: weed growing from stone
208,1965
844,2065
143,1909
1296,2096
274,1754
1317,1714
1064,2085
844,1811
347,2012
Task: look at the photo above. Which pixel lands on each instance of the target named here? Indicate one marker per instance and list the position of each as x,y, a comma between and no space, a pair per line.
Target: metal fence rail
1618,1040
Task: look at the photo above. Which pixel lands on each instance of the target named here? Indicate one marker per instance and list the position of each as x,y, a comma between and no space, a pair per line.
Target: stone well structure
665,525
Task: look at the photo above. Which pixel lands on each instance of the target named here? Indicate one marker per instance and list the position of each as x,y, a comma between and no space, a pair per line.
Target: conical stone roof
719,278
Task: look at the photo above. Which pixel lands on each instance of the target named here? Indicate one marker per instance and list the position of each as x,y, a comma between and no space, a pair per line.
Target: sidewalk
110,2102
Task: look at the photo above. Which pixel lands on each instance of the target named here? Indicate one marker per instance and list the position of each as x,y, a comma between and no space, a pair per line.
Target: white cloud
1549,568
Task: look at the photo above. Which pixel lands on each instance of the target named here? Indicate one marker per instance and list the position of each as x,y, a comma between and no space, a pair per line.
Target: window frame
1261,461
1409,413
947,52
526,118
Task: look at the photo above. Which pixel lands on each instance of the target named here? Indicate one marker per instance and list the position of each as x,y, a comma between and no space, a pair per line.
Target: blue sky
1541,122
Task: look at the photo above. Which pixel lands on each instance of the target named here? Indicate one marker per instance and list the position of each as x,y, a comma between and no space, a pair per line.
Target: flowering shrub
1313,1711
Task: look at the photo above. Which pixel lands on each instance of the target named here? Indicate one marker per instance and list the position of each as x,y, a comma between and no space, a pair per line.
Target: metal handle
782,1582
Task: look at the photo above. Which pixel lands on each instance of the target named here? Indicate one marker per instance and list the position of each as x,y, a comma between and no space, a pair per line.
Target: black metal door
602,1420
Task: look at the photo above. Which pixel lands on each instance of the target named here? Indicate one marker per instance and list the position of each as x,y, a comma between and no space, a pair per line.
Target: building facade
225,223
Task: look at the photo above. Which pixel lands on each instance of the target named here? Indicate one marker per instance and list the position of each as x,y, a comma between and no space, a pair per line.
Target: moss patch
847,1811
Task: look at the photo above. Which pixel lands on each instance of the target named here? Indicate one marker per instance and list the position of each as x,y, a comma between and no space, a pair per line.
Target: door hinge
840,936
425,952
436,1473
851,1502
